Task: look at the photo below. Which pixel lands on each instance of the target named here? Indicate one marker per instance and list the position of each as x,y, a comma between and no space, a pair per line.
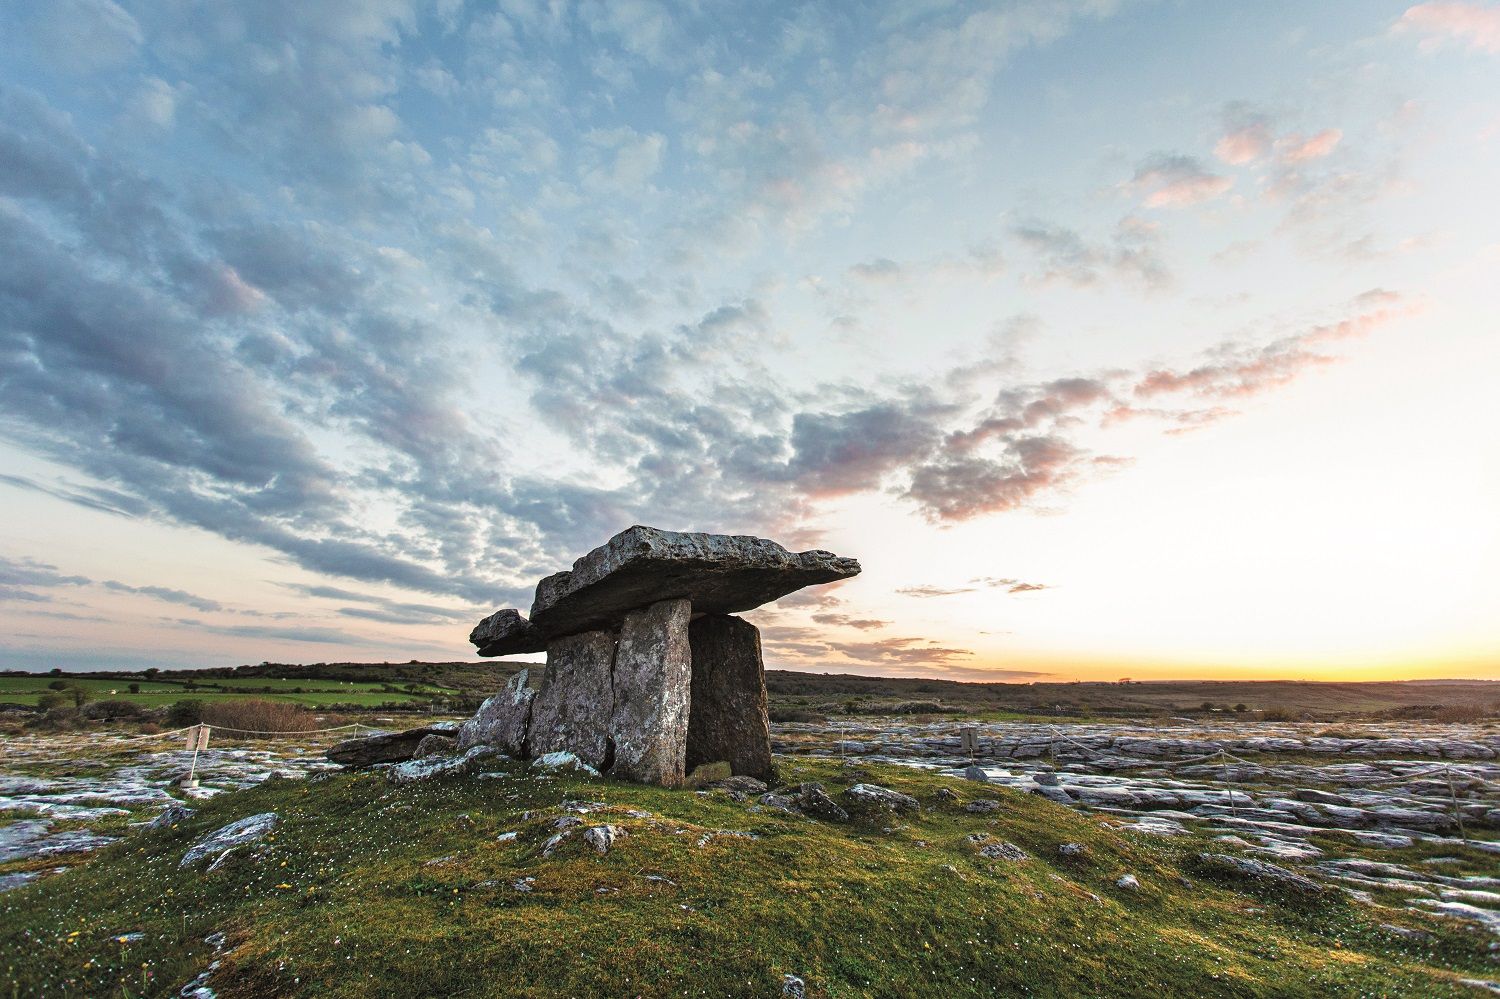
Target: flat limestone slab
719,573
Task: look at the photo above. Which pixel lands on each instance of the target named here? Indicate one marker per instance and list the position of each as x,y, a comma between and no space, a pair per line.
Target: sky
1114,337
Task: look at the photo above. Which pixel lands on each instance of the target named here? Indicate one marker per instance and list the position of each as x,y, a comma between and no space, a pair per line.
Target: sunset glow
1114,338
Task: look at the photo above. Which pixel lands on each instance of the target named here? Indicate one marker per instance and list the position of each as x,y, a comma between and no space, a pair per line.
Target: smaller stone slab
502,720
507,633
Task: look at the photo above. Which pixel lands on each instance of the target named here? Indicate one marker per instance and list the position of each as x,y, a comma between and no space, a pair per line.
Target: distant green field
158,693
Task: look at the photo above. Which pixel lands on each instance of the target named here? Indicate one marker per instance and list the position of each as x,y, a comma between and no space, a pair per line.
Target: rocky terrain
1345,806
888,872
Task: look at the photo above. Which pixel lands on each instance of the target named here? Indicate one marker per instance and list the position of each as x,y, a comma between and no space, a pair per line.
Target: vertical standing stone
727,717
571,711
502,720
653,673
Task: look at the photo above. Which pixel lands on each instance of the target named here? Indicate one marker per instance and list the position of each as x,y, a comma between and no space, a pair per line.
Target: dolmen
649,674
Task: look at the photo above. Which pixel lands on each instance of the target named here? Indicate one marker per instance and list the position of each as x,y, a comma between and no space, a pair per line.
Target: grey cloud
29,572
1132,252
847,621
165,593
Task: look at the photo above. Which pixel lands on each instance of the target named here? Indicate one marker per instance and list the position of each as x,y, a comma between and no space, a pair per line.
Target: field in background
158,692
460,686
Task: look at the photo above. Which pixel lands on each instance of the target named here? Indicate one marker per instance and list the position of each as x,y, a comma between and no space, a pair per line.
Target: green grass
159,693
354,897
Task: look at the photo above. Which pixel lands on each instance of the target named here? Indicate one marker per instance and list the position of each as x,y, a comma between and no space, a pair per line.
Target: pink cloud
1177,181
1471,22
1296,149
1244,144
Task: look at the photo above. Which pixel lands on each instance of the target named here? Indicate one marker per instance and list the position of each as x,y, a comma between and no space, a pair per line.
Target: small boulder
1071,850
983,806
171,816
1128,882
1001,850
814,801
436,745
875,796
601,838
793,987
562,761
250,829
740,783
436,767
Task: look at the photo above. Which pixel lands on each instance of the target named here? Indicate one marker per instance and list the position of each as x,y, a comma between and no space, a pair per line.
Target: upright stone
727,718
653,672
571,712
502,720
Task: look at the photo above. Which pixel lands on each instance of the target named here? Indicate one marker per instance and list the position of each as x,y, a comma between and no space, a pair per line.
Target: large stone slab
653,672
727,717
571,711
502,721
719,573
507,633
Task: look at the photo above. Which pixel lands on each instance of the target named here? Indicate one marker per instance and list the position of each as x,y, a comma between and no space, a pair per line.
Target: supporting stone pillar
727,720
653,674
571,711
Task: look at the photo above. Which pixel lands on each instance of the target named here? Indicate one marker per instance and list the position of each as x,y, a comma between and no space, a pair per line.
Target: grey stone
507,633
740,782
873,795
571,710
170,816
652,676
1259,870
727,717
438,767
1128,882
720,574
436,745
793,987
983,806
502,721
810,799
1002,850
388,747
250,829
1071,849
601,838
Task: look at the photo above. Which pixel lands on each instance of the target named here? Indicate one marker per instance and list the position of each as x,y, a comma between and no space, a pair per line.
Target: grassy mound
369,889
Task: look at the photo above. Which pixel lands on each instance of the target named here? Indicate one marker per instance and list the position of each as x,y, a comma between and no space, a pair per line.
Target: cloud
1176,181
1132,252
1247,135
1297,149
165,593
30,572
846,621
1475,24
1238,371
1012,585
933,591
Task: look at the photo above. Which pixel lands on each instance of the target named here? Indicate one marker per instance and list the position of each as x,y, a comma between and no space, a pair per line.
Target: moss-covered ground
369,889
